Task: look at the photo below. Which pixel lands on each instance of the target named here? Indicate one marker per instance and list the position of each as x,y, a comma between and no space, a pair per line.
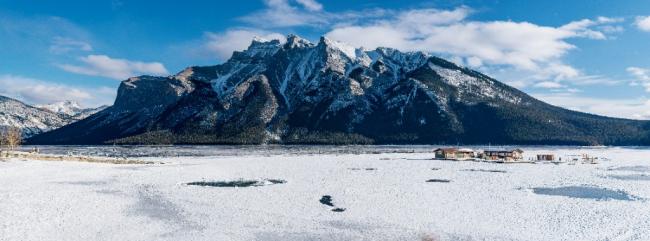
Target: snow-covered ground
379,195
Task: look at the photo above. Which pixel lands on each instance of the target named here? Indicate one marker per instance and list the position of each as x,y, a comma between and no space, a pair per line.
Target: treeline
251,136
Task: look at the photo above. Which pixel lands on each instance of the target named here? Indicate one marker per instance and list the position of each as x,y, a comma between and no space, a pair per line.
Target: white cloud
120,69
593,80
34,91
311,5
522,45
642,77
224,43
643,23
568,77
298,13
638,108
281,13
549,85
63,45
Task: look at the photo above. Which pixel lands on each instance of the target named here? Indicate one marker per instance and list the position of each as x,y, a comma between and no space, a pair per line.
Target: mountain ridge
33,120
300,92
71,109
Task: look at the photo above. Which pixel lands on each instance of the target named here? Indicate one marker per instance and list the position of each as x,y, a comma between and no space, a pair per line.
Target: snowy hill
29,119
328,92
34,120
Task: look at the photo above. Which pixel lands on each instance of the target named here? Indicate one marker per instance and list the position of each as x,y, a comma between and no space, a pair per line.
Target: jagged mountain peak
295,41
330,92
348,50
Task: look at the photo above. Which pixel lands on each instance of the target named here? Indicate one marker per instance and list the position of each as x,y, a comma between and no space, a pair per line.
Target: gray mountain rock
328,92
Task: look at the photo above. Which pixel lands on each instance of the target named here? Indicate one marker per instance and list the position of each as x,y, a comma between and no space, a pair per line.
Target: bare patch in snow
439,180
238,183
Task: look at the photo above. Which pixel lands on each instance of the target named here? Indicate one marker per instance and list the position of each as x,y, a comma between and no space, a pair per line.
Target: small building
454,153
545,157
504,155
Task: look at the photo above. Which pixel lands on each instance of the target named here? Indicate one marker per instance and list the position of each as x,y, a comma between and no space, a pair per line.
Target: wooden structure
454,153
503,155
545,157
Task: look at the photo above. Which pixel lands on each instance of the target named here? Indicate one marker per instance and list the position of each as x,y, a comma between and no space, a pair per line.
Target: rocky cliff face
328,92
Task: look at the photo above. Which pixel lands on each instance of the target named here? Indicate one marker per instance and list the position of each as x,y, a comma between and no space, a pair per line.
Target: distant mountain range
71,109
331,93
34,120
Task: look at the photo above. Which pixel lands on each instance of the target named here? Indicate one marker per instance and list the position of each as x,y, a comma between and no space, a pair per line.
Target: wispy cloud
641,75
311,5
633,108
48,32
549,85
62,45
306,13
114,68
281,13
34,91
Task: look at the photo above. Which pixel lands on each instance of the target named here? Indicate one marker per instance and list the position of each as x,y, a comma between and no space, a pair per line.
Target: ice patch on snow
586,192
631,177
630,168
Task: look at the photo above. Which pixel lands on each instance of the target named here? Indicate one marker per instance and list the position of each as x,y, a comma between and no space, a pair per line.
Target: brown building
545,157
454,153
505,155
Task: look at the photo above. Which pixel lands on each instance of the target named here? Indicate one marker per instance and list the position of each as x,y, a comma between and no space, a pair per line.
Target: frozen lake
324,193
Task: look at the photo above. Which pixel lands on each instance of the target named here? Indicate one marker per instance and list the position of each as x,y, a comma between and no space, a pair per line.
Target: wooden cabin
504,155
545,157
454,153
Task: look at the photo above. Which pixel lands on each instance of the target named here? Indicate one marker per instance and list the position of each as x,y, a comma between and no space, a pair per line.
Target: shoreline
6,155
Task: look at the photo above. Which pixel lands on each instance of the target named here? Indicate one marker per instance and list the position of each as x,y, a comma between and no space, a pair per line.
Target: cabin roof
453,150
509,151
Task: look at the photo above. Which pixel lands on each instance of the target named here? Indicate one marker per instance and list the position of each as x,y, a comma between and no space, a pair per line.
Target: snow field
385,197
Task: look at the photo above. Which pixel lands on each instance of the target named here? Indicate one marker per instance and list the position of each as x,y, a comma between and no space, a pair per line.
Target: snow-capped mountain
71,109
34,120
67,107
328,92
29,119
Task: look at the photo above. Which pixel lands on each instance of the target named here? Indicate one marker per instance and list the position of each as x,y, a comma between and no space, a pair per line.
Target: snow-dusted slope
329,92
71,109
29,119
32,120
67,107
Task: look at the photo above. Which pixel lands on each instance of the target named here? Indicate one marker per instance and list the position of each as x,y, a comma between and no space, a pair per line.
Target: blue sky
586,55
